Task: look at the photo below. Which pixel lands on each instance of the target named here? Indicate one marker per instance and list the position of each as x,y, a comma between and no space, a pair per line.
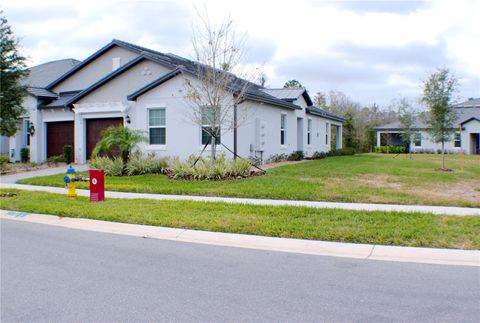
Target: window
417,140
207,120
327,131
283,129
457,140
309,131
157,132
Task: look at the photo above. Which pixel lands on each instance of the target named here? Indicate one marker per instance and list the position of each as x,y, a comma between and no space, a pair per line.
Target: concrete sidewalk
449,210
13,178
312,247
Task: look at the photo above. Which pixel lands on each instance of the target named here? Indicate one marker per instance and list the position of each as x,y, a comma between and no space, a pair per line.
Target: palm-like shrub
111,166
125,139
138,164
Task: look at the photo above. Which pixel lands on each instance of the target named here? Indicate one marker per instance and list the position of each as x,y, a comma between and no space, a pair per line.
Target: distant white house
125,84
465,140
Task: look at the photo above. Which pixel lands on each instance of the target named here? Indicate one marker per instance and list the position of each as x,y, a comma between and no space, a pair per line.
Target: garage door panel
59,134
94,128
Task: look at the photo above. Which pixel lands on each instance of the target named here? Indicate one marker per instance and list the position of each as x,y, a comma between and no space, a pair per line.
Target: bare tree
215,91
407,116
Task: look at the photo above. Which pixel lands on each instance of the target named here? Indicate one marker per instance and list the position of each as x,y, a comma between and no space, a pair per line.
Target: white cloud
388,45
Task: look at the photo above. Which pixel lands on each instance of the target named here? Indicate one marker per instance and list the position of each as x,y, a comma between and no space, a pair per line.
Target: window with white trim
457,140
157,130
327,131
207,121
283,129
417,139
309,131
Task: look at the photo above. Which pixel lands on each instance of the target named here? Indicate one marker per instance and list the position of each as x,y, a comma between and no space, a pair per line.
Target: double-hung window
283,129
417,140
309,131
457,141
157,130
209,118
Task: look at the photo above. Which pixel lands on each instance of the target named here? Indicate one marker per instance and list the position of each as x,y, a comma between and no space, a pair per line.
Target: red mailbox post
97,185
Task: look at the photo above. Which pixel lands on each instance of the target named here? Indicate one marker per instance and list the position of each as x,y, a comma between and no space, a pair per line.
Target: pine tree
12,70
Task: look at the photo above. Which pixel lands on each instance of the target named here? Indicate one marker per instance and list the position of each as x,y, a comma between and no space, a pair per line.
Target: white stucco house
133,86
465,140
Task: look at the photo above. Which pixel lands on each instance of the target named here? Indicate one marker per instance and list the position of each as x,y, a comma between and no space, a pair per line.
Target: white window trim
285,129
459,140
309,132
155,146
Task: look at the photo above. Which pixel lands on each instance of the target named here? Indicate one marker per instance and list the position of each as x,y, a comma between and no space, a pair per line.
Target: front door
474,143
300,134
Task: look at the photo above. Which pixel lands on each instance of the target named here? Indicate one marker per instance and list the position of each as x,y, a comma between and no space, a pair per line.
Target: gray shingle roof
472,103
43,74
41,92
316,111
285,94
61,101
254,91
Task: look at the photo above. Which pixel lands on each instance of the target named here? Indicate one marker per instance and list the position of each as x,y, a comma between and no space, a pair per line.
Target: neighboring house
129,85
465,140
40,76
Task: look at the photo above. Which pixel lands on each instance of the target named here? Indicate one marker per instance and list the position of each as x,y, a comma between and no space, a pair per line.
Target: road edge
312,247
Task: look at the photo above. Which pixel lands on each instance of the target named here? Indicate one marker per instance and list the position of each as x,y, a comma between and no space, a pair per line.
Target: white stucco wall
95,70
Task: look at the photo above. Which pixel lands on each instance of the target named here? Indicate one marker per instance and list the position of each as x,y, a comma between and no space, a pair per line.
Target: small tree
122,138
438,92
407,116
292,84
215,93
12,70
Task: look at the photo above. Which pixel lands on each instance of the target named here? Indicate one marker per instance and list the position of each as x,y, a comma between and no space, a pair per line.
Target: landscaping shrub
68,154
239,167
220,167
276,158
296,155
180,169
390,149
24,155
55,159
112,167
257,161
4,163
138,164
319,155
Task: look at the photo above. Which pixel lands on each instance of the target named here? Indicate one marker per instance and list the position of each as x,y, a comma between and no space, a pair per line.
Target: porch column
379,134
339,137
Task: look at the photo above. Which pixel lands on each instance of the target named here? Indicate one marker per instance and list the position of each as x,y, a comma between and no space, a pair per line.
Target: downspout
235,152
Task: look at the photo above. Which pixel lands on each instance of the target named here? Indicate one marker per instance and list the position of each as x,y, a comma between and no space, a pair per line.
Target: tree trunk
235,152
443,153
213,146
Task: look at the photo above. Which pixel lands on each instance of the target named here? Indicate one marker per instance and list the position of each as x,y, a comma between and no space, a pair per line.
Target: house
125,84
465,140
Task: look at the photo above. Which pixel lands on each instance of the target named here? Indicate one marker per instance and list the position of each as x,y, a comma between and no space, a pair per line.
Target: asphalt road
56,274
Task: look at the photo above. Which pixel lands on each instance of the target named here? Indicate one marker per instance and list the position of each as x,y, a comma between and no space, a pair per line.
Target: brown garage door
94,131
59,134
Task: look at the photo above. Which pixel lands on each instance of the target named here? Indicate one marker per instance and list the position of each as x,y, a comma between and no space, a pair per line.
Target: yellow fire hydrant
70,180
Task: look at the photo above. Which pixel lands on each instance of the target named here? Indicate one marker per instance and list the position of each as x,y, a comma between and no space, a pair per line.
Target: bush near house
54,160
296,155
68,154
4,163
24,155
390,149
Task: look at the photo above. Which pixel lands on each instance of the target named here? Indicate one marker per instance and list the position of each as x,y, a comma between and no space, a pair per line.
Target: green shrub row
4,163
390,149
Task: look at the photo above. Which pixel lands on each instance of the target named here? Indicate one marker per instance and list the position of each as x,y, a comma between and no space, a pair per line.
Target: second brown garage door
59,134
94,129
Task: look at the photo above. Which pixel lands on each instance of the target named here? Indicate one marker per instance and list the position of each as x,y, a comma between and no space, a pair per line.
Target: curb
439,210
311,247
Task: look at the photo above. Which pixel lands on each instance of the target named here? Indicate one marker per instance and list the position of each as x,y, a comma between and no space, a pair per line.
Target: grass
372,178
386,228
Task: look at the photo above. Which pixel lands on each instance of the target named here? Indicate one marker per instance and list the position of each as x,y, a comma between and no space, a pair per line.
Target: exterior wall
17,142
471,127
94,71
4,143
428,144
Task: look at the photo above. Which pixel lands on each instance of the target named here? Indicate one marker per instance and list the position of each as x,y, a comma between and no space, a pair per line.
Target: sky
373,51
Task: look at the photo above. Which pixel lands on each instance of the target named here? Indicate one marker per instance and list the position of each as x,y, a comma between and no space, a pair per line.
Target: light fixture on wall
127,119
31,129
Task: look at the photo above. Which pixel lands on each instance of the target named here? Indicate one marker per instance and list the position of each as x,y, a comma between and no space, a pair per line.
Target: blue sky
374,51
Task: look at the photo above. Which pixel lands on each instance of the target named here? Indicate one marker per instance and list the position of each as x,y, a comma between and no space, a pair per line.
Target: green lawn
388,228
373,178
